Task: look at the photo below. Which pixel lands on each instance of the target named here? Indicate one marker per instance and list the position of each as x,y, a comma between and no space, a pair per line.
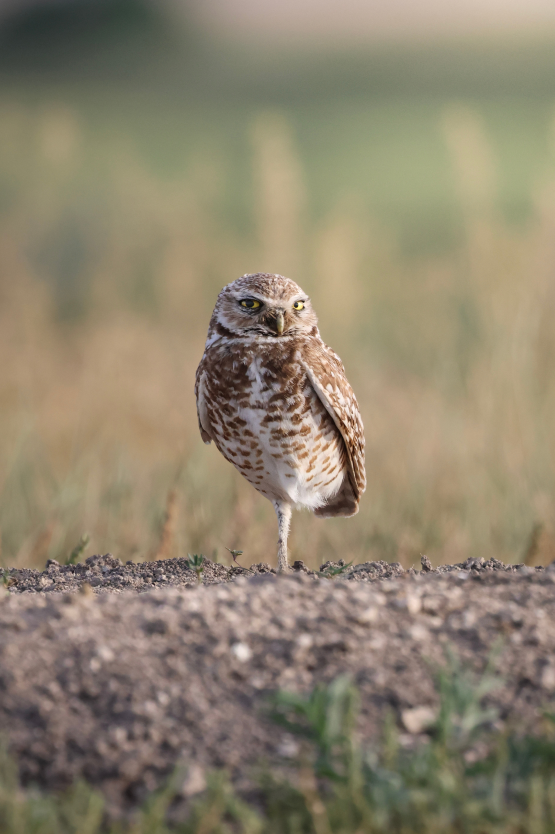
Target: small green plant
5,577
196,563
234,555
325,718
78,550
331,572
462,714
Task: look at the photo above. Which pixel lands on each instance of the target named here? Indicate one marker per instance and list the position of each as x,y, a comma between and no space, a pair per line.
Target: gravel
116,673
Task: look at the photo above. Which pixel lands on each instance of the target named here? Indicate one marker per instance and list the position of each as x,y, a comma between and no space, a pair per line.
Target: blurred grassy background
410,188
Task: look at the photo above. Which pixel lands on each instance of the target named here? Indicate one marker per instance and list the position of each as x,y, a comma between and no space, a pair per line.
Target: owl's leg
283,512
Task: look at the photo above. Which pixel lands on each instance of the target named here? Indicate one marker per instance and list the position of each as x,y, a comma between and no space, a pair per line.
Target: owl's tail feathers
343,503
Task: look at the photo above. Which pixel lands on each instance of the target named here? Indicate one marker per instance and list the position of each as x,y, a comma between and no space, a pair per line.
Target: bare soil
116,673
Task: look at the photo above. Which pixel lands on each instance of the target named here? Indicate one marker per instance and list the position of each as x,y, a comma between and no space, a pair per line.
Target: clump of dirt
118,687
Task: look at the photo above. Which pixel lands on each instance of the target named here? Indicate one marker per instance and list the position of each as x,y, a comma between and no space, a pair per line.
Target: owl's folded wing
326,373
202,411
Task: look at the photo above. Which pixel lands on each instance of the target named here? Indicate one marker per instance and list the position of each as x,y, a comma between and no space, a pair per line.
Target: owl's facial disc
265,305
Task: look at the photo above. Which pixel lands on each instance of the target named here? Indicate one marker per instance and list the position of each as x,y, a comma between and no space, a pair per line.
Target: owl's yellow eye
298,305
250,303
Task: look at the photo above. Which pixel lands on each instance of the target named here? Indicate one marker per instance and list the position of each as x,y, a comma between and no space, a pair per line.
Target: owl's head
263,305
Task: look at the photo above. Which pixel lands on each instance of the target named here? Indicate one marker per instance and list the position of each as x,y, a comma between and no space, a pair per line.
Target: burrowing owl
276,402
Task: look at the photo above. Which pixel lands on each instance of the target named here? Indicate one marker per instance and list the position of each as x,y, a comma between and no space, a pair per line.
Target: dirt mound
106,573
118,687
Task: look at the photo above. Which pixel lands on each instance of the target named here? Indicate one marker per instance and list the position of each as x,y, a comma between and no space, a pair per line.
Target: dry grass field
451,354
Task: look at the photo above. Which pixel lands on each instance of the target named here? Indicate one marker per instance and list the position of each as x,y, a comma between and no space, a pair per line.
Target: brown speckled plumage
276,402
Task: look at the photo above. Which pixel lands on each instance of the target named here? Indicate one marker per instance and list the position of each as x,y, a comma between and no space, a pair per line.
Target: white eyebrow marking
271,301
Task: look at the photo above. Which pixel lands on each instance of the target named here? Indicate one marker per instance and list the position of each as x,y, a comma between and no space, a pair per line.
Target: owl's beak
280,322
